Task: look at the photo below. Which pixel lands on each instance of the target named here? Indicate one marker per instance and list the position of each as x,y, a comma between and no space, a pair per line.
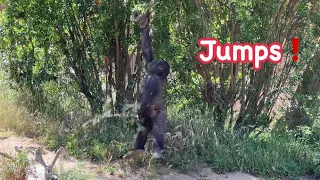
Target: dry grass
14,117
14,168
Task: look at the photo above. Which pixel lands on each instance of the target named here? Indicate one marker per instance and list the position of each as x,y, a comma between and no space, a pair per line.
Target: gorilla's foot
133,153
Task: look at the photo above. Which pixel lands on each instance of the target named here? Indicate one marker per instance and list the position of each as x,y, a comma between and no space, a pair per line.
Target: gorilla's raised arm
146,40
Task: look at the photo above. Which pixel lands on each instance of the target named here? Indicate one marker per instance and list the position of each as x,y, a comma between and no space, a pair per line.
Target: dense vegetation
77,62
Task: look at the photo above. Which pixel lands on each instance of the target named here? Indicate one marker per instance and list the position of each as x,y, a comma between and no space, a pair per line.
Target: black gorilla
151,110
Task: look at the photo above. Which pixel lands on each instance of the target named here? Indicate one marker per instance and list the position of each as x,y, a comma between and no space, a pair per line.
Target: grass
14,168
6,134
191,140
74,173
261,152
14,117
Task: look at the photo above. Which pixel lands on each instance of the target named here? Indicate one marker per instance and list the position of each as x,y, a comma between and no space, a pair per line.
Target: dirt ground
98,171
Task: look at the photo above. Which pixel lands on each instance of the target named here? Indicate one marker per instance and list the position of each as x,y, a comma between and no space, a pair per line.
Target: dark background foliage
74,60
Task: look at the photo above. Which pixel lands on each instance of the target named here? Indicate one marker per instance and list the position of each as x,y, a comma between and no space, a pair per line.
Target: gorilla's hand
143,21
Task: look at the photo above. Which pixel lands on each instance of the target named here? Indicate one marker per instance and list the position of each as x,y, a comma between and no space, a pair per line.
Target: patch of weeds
100,169
97,150
194,140
111,170
74,173
15,168
54,142
115,150
4,135
72,145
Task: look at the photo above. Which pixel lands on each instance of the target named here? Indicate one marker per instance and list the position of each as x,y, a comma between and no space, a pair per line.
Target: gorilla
151,111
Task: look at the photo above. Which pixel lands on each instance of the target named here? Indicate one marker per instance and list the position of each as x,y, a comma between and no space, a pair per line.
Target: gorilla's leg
142,138
158,131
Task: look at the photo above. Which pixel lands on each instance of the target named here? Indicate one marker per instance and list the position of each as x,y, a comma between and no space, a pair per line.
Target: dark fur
151,111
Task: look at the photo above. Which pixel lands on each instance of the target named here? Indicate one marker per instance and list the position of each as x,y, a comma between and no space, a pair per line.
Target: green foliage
54,142
195,140
73,145
111,170
16,117
16,168
97,148
52,54
103,138
74,173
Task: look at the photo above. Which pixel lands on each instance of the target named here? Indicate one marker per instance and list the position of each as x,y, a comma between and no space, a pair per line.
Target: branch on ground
48,168
39,159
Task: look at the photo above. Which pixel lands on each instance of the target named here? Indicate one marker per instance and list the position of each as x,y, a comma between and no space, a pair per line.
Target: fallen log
37,168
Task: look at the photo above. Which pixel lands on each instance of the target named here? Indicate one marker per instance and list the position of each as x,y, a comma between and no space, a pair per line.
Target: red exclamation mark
295,47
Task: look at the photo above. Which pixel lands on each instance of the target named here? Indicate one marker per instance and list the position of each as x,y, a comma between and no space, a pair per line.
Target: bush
262,152
14,168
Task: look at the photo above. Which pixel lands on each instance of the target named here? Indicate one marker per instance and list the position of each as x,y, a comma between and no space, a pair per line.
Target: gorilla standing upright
151,110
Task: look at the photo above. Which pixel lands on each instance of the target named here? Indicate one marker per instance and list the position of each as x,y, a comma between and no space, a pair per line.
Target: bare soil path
101,171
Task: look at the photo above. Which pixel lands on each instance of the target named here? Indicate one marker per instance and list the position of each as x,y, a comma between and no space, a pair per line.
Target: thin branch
56,157
7,156
39,158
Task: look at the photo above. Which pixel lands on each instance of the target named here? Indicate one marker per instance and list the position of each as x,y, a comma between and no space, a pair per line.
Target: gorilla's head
159,68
